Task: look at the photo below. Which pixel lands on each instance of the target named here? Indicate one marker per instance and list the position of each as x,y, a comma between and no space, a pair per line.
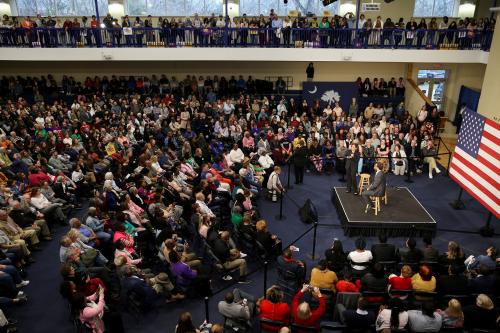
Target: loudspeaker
308,213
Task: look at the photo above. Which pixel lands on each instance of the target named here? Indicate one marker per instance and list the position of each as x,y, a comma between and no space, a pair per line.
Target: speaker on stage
308,213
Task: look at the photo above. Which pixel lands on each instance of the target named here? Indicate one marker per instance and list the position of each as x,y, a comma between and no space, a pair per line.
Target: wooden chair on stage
364,181
376,202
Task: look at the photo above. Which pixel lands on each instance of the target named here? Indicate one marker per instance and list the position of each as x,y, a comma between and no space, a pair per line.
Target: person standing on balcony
276,24
197,25
310,72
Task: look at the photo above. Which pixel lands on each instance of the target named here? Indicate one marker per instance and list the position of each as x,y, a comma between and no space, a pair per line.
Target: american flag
476,162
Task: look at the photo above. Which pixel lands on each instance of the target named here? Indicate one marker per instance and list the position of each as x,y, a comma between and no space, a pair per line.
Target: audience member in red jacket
401,282
302,313
346,285
273,308
36,178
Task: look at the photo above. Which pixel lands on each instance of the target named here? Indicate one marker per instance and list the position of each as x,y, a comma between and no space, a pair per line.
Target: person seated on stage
410,254
360,257
322,277
286,262
376,188
346,285
383,251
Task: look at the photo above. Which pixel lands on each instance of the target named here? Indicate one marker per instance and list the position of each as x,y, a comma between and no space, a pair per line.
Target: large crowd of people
170,172
263,31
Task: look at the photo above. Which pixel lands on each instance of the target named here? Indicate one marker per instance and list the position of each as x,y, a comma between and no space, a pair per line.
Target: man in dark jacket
299,162
383,251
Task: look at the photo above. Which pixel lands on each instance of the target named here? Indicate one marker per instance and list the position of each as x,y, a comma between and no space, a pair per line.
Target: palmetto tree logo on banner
330,97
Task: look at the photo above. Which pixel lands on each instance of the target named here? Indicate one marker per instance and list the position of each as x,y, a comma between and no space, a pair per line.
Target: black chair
332,326
271,323
389,266
329,297
358,274
463,299
401,292
451,330
288,281
420,297
301,328
232,325
217,263
382,295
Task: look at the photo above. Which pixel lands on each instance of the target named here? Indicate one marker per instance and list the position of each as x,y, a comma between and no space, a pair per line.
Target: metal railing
246,37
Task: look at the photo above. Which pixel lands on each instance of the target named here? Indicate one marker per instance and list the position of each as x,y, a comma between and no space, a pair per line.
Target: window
438,8
256,7
173,7
432,82
60,7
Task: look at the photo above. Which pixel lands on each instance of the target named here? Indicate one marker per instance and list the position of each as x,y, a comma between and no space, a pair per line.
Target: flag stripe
488,153
487,164
487,142
494,125
475,179
490,140
484,200
466,158
475,165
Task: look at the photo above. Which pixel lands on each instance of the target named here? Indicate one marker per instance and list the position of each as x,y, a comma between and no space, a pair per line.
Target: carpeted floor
46,311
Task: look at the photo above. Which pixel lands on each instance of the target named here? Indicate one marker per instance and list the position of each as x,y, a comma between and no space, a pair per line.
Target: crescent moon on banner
313,91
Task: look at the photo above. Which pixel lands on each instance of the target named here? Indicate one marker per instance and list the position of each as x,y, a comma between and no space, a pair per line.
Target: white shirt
204,209
236,156
360,257
40,202
266,161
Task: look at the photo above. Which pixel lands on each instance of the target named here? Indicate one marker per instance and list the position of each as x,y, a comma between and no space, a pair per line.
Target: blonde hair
261,225
406,271
304,311
73,234
454,308
484,302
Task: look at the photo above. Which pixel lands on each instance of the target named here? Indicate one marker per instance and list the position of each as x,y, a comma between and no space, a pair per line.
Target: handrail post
281,216
265,276
313,254
207,313
288,186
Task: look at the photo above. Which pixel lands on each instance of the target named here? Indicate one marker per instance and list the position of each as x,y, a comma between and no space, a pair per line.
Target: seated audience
452,316
273,307
482,315
301,310
425,320
393,316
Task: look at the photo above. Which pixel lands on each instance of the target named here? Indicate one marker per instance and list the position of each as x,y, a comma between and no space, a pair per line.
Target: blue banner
330,92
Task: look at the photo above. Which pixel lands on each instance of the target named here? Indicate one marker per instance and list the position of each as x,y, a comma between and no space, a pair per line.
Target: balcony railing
246,37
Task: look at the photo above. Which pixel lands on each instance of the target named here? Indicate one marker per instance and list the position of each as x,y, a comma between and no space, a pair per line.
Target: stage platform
404,215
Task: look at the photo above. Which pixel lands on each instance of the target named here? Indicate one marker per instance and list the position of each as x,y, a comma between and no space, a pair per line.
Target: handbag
88,257
399,163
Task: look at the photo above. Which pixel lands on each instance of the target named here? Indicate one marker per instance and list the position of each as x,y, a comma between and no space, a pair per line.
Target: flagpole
487,230
458,204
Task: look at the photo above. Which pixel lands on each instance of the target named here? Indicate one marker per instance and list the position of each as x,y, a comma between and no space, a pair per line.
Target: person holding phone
302,312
